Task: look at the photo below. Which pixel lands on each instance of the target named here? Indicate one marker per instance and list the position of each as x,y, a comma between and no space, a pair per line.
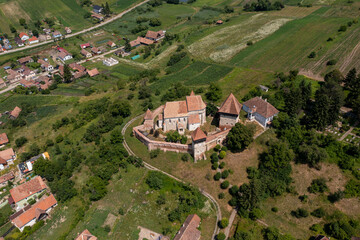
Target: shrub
217,176
155,180
217,148
185,157
107,228
215,166
316,228
59,138
342,28
252,172
331,62
121,211
214,159
304,198
233,190
336,196
222,154
221,195
256,213
274,209
222,165
224,174
223,148
161,199
318,185
225,184
300,213
312,55
249,43
154,153
319,213
20,141
220,236
223,223
352,188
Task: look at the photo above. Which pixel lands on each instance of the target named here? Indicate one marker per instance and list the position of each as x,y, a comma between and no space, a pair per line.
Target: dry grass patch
349,206
294,12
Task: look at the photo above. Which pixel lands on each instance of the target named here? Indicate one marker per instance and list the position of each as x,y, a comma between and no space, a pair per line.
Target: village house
64,55
47,31
121,52
97,9
110,62
7,44
93,72
140,40
85,45
2,83
15,113
27,166
14,77
34,213
7,157
3,139
189,230
19,42
85,53
77,67
96,50
260,110
229,112
4,179
27,73
19,195
321,237
86,235
68,30
27,83
111,44
155,36
25,60
45,65
181,115
33,40
23,36
57,34
43,82
219,22
42,37
97,16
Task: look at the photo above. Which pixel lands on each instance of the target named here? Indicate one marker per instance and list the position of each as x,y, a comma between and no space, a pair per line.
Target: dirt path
150,167
231,220
310,74
78,33
350,57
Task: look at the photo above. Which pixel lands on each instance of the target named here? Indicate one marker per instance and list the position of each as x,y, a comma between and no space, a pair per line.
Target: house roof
23,34
175,109
7,154
197,134
194,118
35,211
97,7
62,54
195,103
57,33
86,235
76,66
148,115
154,35
93,72
85,45
110,43
6,177
3,161
15,113
3,138
262,107
27,189
145,41
95,49
84,52
188,230
321,237
230,106
33,38
24,60
1,81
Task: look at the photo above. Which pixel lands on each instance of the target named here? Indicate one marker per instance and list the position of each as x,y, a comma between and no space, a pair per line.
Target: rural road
78,33
150,167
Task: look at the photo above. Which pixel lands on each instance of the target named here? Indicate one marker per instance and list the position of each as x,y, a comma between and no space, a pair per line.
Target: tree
35,33
155,22
12,28
318,185
312,155
221,236
223,223
97,188
239,137
107,10
67,74
20,141
22,22
276,158
155,180
214,92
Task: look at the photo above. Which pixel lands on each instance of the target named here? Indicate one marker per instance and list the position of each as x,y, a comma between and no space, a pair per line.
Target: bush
222,165
233,190
59,138
185,157
121,211
214,158
225,184
249,43
214,166
252,172
274,209
312,55
161,200
331,62
223,148
221,195
222,154
300,213
217,148
217,176
318,185
342,28
256,213
155,180
336,196
220,236
223,223
154,153
20,141
224,174
107,228
319,213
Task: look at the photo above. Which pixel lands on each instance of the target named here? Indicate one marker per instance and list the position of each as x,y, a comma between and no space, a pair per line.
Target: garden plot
225,43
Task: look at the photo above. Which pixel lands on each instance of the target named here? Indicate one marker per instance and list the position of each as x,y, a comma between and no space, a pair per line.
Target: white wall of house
193,127
29,224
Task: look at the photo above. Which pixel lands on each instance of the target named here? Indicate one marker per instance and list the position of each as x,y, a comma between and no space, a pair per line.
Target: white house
23,36
33,40
260,110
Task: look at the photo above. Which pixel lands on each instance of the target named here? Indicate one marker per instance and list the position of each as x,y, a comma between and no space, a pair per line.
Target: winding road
77,33
150,167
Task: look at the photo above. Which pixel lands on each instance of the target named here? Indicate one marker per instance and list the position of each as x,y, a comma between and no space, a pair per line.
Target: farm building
189,229
25,60
86,235
96,50
4,179
93,72
15,113
7,157
3,139
111,44
110,62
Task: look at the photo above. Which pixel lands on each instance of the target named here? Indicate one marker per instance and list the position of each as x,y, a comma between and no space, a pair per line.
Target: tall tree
67,74
239,137
107,9
293,101
305,89
214,92
127,47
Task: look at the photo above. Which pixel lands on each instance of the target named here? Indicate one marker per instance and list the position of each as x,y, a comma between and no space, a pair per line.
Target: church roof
198,134
148,115
231,105
175,109
194,102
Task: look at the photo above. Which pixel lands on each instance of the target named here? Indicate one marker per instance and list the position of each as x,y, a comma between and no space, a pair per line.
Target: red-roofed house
15,113
229,112
33,40
93,72
25,191
84,45
23,36
155,36
86,235
7,157
35,213
85,53
4,179
260,110
3,139
189,230
111,44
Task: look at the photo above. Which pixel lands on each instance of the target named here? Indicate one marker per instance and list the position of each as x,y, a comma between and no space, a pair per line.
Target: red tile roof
86,235
15,113
3,161
195,103
231,105
27,189
35,211
198,134
7,154
262,107
3,138
93,72
188,230
175,109
111,43
33,38
23,34
85,45
154,35
25,60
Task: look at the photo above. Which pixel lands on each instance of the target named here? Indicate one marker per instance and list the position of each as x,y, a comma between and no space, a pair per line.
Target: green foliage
318,185
312,55
217,148
222,165
342,28
331,62
274,209
221,195
220,236
155,22
175,92
262,5
20,141
154,153
96,187
175,58
352,188
217,176
161,200
173,136
312,155
252,172
336,196
300,213
155,180
223,223
214,166
121,211
214,158
272,233
256,213
185,157
222,154
240,137
319,213
340,229
224,174
225,184
214,92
